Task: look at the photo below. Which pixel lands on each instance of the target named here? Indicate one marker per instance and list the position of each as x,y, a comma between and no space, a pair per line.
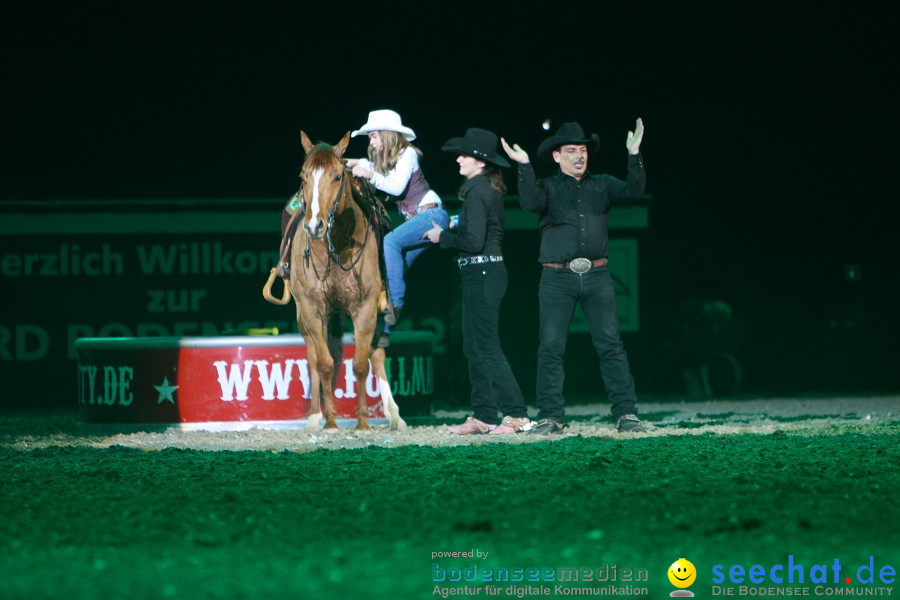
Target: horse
336,271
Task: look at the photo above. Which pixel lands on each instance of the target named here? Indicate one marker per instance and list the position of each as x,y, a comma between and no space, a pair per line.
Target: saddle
364,194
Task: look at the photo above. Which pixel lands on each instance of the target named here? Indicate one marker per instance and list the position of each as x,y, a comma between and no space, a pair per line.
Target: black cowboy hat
477,143
568,133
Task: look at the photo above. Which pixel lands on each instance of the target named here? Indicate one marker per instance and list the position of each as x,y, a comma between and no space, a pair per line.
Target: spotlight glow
546,124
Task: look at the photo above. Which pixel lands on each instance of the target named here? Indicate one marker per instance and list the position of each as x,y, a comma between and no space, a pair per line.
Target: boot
392,315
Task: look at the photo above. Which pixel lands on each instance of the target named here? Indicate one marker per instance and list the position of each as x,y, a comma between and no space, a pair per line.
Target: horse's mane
322,155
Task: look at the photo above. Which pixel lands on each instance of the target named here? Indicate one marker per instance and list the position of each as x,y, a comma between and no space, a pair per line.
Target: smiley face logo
682,573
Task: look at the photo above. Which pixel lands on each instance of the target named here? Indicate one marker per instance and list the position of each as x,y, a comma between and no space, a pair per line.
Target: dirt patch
753,416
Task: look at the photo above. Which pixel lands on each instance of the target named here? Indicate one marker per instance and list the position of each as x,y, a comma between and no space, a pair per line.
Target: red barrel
233,383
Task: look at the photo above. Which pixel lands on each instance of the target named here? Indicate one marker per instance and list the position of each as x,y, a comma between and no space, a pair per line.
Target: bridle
332,252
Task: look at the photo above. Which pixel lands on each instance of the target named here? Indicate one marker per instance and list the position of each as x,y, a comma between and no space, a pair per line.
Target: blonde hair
392,146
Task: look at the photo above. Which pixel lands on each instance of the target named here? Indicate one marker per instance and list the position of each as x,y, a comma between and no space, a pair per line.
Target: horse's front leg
321,369
314,418
314,415
326,368
321,365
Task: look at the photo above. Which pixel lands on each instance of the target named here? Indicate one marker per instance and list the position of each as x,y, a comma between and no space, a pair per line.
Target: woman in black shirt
478,239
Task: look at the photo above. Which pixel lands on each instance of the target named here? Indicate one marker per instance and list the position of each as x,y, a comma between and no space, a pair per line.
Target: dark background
769,140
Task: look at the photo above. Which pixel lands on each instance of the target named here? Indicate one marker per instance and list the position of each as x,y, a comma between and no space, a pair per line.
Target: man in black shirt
573,206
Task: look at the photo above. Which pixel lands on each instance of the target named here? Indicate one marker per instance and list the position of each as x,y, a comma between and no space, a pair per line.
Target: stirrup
392,315
267,289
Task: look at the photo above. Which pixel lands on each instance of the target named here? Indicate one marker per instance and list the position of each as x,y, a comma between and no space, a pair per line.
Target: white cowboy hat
385,120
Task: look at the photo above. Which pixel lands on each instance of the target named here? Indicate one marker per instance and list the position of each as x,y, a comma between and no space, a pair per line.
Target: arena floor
380,514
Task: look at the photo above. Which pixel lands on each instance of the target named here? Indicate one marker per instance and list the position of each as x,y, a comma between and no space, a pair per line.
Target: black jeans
492,379
558,292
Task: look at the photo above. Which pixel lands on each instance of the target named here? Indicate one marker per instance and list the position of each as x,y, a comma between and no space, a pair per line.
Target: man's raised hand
633,141
515,152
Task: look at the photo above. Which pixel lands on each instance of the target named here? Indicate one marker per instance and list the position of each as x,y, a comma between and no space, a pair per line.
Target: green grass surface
120,523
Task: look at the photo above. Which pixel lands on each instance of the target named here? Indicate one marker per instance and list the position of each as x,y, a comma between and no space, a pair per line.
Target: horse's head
323,182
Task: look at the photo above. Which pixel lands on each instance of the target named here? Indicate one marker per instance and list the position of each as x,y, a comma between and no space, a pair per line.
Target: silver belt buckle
580,265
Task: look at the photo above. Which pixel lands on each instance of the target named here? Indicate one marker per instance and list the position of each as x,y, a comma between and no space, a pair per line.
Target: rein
332,251
331,222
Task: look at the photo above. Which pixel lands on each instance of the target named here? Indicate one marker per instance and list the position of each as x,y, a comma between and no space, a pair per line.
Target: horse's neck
349,214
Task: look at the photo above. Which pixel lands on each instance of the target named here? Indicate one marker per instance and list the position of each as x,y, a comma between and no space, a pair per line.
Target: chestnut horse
335,271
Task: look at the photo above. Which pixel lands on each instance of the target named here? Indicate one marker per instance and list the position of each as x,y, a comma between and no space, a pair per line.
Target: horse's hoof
400,425
363,427
330,424
314,421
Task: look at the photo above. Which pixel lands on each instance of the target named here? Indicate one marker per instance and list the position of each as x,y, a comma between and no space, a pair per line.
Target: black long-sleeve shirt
574,214
480,229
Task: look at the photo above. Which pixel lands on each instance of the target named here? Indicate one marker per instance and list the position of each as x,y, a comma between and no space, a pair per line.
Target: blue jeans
493,384
558,292
404,244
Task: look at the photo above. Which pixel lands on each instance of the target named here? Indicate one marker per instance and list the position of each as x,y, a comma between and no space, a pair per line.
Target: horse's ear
342,145
307,145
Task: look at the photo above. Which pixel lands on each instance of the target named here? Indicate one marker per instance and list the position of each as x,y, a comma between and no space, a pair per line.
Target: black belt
579,265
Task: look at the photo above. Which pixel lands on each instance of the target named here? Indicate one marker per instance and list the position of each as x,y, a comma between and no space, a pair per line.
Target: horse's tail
335,332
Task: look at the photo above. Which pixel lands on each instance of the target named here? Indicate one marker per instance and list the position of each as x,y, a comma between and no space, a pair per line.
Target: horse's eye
337,177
